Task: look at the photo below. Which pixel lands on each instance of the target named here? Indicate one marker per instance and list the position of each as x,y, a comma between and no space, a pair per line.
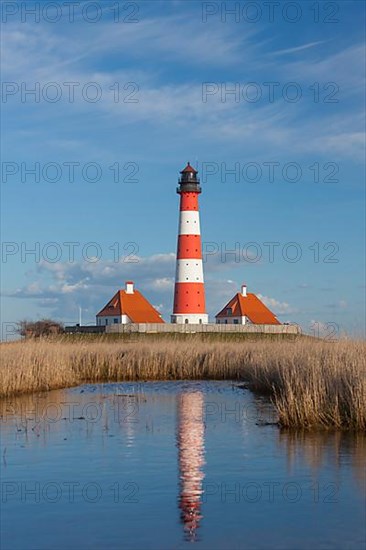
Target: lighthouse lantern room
189,290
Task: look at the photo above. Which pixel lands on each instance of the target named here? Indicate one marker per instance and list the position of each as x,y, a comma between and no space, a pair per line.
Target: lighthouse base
189,318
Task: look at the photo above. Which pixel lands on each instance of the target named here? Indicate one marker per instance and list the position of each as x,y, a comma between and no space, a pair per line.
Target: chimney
129,287
243,290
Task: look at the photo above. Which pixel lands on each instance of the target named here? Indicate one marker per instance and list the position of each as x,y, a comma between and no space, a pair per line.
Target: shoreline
312,384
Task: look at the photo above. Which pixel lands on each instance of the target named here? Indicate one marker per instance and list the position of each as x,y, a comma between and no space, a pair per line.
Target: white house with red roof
128,306
246,308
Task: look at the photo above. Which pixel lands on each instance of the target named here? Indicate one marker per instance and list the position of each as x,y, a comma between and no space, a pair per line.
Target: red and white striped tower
189,291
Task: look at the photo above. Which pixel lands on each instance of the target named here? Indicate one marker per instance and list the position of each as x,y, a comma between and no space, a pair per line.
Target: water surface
173,465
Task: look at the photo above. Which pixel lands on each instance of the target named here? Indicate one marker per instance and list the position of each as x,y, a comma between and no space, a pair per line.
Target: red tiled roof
250,306
134,305
189,168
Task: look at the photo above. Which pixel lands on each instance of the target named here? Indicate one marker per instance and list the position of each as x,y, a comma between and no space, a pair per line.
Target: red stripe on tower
189,290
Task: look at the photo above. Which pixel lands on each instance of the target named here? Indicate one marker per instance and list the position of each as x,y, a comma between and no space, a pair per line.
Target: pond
170,465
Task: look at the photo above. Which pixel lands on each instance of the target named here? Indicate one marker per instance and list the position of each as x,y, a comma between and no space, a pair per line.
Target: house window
186,321
106,321
115,321
229,311
225,321
236,321
200,321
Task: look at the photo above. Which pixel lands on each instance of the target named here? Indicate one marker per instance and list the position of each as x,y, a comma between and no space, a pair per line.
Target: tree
38,329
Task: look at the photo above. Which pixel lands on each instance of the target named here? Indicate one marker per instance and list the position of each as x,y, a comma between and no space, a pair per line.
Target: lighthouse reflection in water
190,442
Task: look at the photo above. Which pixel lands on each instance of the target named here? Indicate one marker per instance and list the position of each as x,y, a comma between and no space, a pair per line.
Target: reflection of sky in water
174,462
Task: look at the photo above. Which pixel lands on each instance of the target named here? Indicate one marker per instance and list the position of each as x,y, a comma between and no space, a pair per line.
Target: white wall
193,318
230,320
122,319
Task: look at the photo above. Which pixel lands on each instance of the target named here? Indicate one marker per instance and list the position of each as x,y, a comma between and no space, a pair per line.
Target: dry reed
311,383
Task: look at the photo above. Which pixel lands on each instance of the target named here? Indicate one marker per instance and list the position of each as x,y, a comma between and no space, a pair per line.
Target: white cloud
47,48
164,283
276,306
63,286
298,48
350,144
341,304
344,67
41,55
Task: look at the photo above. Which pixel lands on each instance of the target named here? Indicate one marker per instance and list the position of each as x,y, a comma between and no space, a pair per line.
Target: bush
38,329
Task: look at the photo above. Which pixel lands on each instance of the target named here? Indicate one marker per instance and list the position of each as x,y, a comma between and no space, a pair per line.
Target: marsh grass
311,383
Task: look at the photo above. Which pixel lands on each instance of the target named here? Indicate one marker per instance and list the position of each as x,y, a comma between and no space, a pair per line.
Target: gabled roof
134,305
250,306
189,168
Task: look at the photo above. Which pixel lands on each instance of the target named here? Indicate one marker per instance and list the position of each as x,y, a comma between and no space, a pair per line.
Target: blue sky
172,66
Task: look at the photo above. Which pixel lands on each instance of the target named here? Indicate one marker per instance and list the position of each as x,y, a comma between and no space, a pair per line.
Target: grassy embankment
312,383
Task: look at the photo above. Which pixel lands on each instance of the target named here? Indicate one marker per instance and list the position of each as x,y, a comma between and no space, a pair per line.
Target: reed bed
312,384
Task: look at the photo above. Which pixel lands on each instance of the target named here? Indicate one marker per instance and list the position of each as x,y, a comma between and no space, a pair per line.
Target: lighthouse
189,290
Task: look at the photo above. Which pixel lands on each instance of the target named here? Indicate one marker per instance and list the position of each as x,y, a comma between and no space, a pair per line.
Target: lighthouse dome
189,175
189,169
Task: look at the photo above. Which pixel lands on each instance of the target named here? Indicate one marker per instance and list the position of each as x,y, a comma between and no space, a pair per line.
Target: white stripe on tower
189,290
189,223
189,271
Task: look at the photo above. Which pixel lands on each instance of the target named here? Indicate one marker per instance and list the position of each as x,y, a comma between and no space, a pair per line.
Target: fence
204,328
